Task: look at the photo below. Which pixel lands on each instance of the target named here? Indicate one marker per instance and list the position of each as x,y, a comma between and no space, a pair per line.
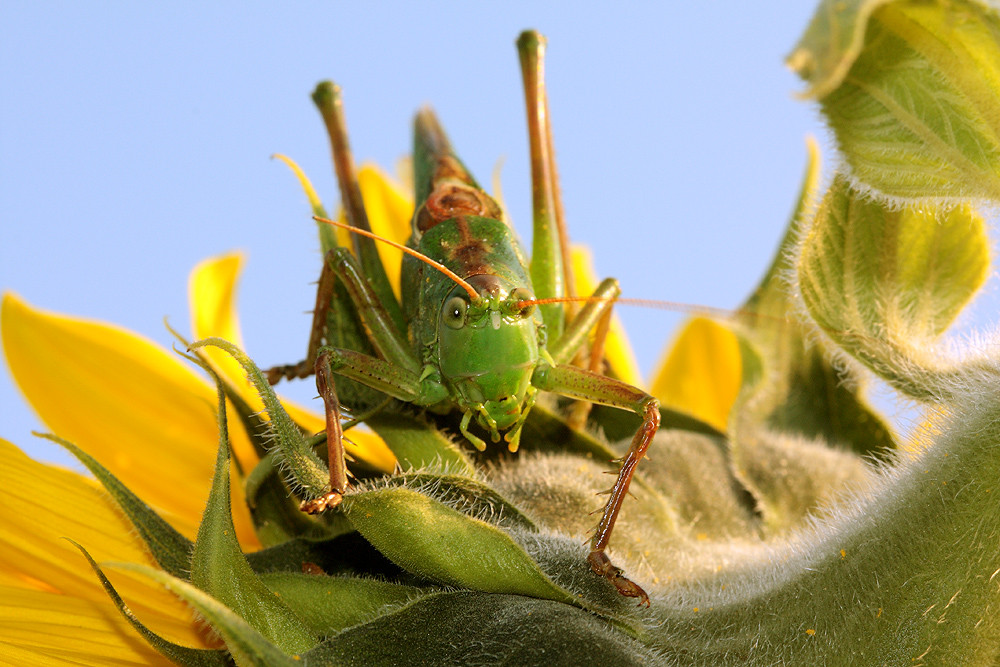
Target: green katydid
480,340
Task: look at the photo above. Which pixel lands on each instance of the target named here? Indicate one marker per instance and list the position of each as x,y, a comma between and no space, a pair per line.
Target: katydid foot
601,565
326,501
276,374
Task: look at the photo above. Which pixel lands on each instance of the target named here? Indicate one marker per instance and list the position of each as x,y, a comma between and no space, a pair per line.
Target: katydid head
487,350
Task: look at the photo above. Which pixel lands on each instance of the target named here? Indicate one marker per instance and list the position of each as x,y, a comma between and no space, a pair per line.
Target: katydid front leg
389,378
582,384
334,440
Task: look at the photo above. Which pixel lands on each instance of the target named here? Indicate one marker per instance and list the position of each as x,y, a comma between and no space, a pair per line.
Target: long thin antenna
646,303
409,251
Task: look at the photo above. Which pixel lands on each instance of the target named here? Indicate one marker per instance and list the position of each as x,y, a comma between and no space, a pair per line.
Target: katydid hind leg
582,384
548,245
598,559
339,319
329,102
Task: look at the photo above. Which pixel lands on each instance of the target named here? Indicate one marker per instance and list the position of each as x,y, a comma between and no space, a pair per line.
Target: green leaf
884,283
182,655
248,647
432,540
792,477
219,568
912,92
331,604
804,393
465,628
904,572
831,43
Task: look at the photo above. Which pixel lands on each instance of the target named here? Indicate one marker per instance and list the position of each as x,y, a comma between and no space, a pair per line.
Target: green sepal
461,628
182,655
441,544
331,604
275,514
248,647
219,567
310,474
417,444
469,496
170,549
884,283
802,391
911,90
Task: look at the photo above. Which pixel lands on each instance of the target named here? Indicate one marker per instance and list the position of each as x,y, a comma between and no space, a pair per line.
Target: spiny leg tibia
579,383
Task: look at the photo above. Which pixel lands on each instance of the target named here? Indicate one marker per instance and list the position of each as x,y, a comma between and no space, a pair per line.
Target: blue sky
135,141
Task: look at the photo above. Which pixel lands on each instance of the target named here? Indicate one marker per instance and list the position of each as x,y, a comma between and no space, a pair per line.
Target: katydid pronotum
480,341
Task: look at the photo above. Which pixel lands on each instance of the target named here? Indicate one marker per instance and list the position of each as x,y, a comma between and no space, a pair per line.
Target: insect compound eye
453,313
517,295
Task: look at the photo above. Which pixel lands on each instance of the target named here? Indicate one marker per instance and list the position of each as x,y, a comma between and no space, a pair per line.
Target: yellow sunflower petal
38,628
701,373
136,408
212,298
617,350
389,214
42,505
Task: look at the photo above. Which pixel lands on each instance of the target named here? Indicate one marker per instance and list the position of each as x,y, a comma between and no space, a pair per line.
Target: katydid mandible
476,342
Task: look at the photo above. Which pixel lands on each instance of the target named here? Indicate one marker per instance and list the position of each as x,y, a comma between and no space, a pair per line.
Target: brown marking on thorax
453,196
470,252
